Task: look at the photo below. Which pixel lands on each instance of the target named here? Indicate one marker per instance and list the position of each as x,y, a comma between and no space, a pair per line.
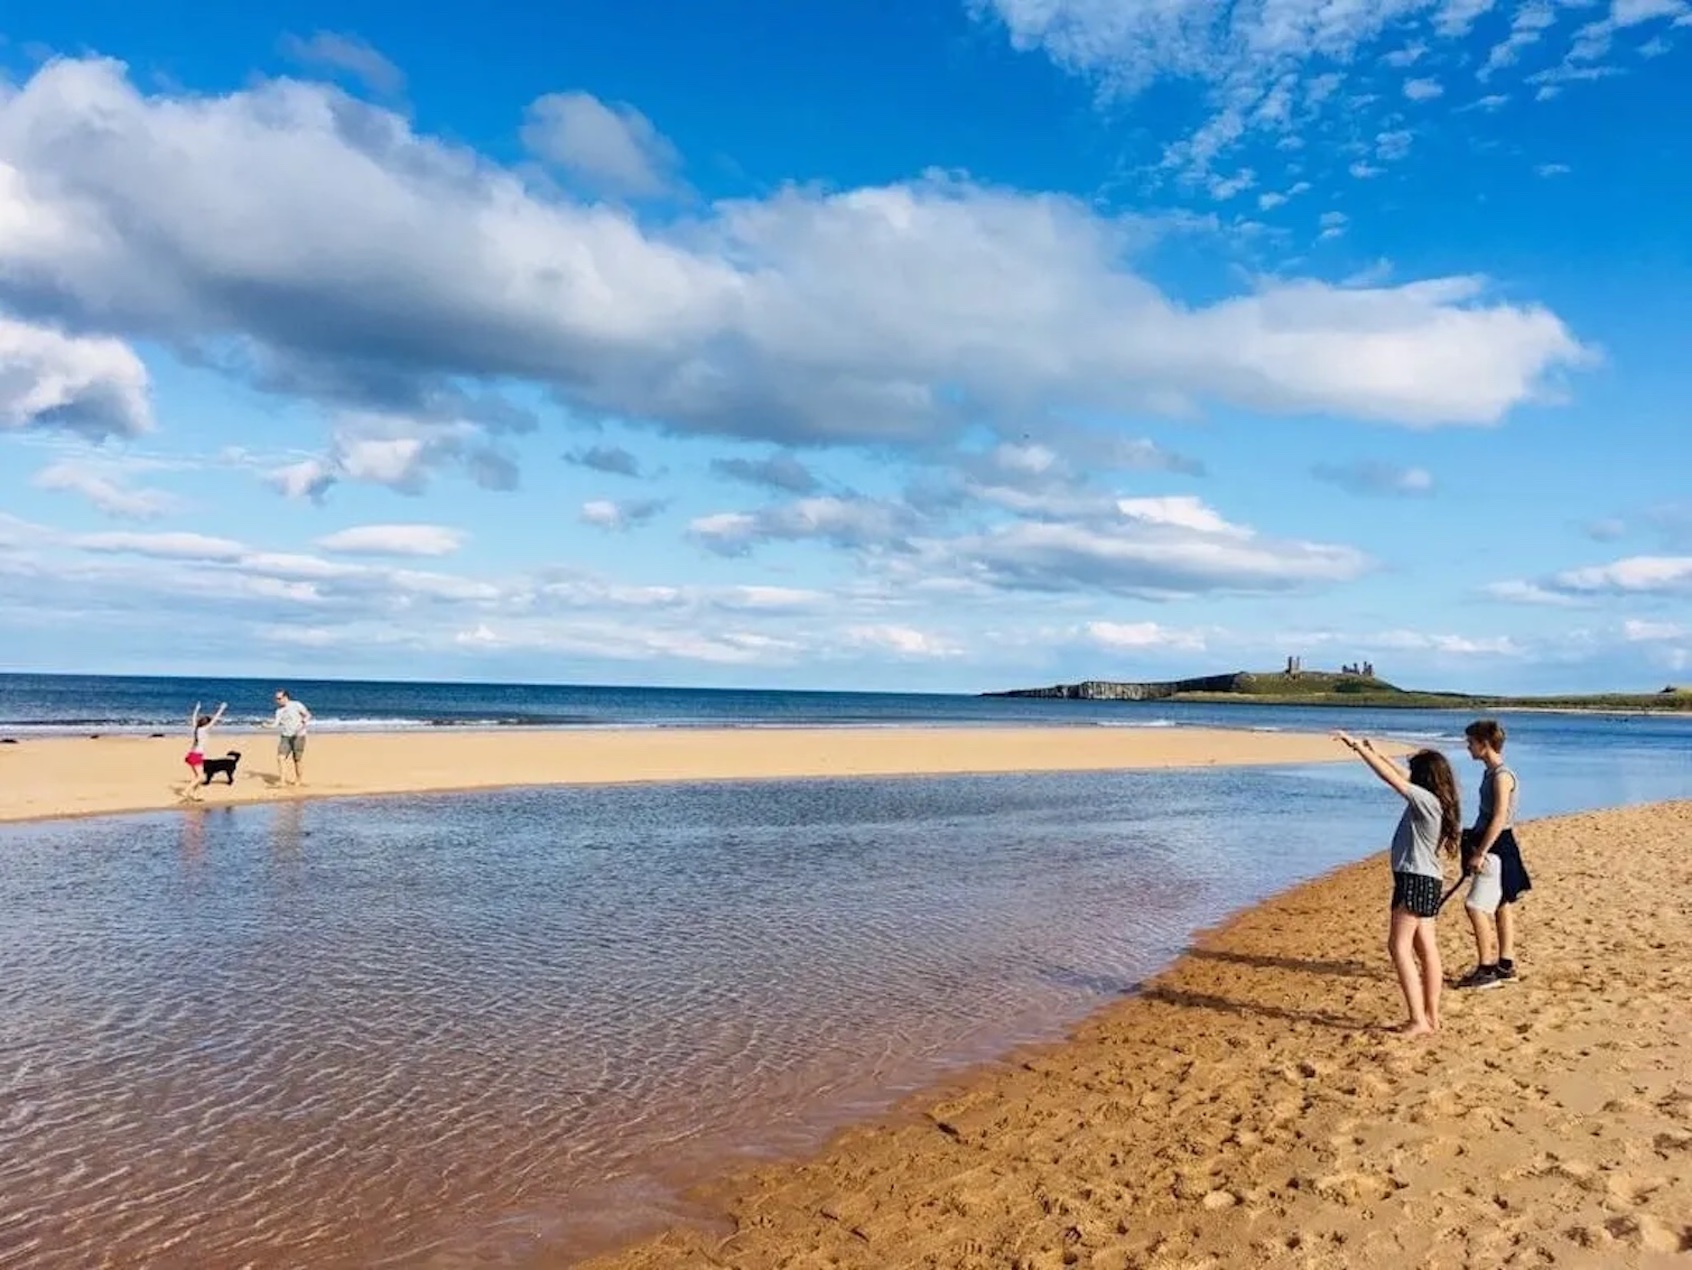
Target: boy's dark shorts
1416,893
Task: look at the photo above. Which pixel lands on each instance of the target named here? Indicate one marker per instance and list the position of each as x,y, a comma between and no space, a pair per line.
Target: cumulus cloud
1142,636
393,540
95,387
399,452
778,471
613,148
851,522
1635,575
336,53
610,459
1372,477
332,251
104,489
1153,548
610,514
904,641
1423,89
1632,576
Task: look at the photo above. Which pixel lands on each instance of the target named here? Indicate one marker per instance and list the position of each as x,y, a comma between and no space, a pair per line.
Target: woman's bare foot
1416,1027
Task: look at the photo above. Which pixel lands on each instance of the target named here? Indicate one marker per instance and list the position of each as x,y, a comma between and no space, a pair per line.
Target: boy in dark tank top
1493,859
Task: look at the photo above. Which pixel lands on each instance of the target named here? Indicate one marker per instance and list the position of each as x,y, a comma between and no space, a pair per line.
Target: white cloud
1518,591
607,513
1392,146
92,386
1455,645
1369,476
1152,548
1333,225
394,540
1222,189
1423,89
1276,68
1665,575
778,471
1143,635
399,452
1606,530
1552,169
336,52
104,489
1637,632
614,148
894,314
166,546
904,641
610,459
845,522
1363,171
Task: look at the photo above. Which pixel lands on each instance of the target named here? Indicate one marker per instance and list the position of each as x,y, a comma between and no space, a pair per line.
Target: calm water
506,1029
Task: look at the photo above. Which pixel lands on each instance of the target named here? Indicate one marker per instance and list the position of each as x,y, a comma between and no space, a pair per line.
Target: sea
519,1028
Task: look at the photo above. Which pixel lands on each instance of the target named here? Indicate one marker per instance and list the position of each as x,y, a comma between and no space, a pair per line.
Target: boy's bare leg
1486,950
1507,932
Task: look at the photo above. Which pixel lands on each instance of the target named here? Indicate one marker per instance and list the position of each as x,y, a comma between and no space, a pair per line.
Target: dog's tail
233,754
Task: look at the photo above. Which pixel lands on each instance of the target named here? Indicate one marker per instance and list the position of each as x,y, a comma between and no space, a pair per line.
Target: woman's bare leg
1401,935
1426,947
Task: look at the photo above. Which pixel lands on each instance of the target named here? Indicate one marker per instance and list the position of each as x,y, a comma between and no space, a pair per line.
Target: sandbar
43,778
1248,1107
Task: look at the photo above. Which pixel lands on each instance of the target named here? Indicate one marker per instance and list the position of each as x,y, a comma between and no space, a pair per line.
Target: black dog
224,767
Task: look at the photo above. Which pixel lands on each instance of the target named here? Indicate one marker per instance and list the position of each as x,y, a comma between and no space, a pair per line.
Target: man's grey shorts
291,747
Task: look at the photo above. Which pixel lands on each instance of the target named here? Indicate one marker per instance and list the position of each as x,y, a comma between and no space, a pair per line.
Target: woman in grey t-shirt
1432,822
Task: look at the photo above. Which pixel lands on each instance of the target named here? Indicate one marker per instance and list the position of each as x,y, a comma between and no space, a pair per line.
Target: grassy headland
1326,688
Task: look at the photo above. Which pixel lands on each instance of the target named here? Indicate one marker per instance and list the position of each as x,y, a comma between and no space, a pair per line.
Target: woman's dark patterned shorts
1416,893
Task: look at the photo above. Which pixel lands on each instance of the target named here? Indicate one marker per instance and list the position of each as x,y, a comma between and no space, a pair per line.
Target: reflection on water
493,1028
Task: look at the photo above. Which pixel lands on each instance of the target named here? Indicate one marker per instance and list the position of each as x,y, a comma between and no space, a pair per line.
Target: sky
929,345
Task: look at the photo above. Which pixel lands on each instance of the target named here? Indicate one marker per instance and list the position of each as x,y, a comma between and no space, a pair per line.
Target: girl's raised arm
218,717
1380,764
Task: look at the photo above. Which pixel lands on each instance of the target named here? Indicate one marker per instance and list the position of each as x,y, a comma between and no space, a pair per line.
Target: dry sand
1247,1109
80,776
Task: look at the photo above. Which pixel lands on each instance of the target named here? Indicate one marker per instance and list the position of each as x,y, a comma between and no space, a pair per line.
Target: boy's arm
1502,796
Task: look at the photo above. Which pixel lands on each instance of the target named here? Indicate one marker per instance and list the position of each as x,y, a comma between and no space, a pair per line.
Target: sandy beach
82,776
1246,1107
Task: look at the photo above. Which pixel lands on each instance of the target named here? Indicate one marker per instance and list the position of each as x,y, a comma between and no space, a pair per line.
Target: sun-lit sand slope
76,776
1246,1110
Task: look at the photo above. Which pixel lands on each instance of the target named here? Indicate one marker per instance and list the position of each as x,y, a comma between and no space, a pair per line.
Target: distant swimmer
292,719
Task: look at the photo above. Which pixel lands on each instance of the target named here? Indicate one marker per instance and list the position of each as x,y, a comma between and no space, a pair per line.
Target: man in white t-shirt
291,720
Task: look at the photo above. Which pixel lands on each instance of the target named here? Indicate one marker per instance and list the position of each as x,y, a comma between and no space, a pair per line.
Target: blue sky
946,344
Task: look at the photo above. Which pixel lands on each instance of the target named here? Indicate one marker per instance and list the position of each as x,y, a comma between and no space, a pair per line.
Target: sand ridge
1246,1107
43,778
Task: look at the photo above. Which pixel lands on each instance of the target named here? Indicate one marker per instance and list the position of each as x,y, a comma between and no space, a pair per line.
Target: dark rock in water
157,736
93,736
8,740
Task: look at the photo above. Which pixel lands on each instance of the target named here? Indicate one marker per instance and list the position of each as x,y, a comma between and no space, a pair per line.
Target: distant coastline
1349,687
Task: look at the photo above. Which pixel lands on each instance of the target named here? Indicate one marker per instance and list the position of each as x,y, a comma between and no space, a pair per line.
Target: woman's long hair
1429,770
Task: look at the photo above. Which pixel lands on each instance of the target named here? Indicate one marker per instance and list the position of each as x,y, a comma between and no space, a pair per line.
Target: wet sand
44,778
1248,1107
